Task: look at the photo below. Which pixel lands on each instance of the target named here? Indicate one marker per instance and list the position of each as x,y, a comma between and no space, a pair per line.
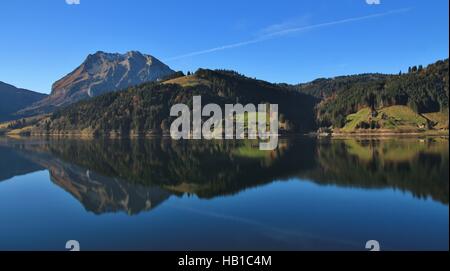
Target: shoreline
440,133
384,133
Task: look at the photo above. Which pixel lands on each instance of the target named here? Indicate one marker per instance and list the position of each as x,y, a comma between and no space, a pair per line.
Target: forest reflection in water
137,175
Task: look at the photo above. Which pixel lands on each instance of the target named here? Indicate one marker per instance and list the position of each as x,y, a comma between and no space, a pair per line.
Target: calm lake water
158,194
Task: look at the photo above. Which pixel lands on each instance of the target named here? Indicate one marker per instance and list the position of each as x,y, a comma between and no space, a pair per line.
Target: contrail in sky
286,32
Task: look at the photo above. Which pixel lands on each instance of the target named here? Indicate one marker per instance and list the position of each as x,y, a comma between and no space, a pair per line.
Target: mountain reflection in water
137,175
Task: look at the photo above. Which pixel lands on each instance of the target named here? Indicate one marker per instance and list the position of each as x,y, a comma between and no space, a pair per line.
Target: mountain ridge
144,109
415,101
100,73
14,99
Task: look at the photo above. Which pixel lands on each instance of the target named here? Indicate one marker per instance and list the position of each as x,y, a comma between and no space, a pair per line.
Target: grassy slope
24,129
439,118
354,119
395,118
188,81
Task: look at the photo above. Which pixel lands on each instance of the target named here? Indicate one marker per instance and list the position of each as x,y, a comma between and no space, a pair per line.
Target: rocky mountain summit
101,73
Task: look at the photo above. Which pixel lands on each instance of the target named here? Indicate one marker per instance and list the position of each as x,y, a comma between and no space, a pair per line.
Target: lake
159,194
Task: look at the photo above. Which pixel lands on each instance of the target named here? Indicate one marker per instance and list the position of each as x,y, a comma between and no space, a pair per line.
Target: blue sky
279,41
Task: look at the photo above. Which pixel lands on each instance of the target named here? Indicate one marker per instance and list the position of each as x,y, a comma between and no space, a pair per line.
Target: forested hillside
145,109
409,102
424,90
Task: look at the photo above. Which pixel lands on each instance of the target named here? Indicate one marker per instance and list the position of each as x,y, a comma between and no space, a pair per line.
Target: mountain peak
103,72
134,53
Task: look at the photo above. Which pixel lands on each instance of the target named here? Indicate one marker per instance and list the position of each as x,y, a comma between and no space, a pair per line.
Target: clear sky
279,41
